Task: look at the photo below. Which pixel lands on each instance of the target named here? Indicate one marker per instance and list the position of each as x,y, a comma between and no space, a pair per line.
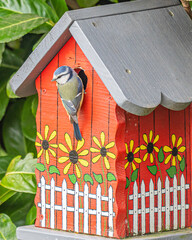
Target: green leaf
4,100
5,194
39,8
34,105
28,122
111,177
43,28
2,152
114,1
10,92
53,169
171,171
2,48
152,169
60,7
134,175
127,182
40,167
72,178
98,177
182,164
161,155
13,137
20,175
14,26
7,228
88,178
31,216
11,60
87,3
30,146
4,163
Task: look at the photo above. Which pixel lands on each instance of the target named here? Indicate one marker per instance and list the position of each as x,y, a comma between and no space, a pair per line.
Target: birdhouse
130,173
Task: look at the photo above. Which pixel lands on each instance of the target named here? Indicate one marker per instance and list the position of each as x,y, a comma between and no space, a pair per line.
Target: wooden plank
98,210
143,212
52,204
167,204
110,210
43,208
86,208
151,208
64,205
175,204
135,209
159,196
76,208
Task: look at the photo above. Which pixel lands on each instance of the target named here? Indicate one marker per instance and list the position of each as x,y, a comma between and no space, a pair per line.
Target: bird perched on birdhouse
71,91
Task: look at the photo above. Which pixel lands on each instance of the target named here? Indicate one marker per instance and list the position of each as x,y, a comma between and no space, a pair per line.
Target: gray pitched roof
141,50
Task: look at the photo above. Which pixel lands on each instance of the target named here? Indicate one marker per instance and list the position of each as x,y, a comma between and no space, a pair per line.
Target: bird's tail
77,131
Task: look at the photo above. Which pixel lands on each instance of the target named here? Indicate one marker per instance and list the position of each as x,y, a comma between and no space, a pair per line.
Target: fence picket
167,204
52,204
159,196
43,208
64,205
182,201
151,213
143,207
98,210
175,207
135,209
86,208
110,210
76,211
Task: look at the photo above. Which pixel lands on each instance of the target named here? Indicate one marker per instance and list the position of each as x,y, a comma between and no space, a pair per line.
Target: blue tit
71,91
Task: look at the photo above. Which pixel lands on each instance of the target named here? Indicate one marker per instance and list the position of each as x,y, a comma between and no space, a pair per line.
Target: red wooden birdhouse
131,172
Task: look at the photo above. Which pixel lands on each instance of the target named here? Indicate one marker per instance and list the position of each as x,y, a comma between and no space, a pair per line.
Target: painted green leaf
15,26
152,169
87,3
182,164
7,228
31,216
54,169
60,7
171,171
134,175
72,178
98,177
40,167
161,155
88,178
111,177
127,182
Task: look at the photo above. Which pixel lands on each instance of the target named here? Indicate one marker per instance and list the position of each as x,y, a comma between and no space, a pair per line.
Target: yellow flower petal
173,137
63,159
39,153
103,139
173,161
38,144
179,141
94,150
111,155
63,148
150,135
156,149
110,145
167,149
145,157
145,138
179,157
80,144
131,145
126,165
151,158
106,161
143,147
125,158
137,160
66,168
68,140
46,131
83,153
136,150
53,134
53,145
47,156
52,152
77,171
156,139
168,158
39,136
182,149
133,166
96,141
83,162
126,148
96,158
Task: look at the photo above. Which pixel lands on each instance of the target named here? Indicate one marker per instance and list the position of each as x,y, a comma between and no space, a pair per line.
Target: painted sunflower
131,155
73,156
175,150
150,146
45,144
102,150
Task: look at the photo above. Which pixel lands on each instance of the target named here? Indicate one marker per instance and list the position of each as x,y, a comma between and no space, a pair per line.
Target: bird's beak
54,79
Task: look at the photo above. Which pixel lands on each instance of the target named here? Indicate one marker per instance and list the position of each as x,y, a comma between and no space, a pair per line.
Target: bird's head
63,74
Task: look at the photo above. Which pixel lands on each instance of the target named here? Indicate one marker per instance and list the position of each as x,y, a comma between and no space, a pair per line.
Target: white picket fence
177,196
76,208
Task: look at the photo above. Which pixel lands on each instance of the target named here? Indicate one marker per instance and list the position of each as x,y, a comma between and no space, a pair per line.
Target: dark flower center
174,151
45,144
103,151
130,157
150,147
73,156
